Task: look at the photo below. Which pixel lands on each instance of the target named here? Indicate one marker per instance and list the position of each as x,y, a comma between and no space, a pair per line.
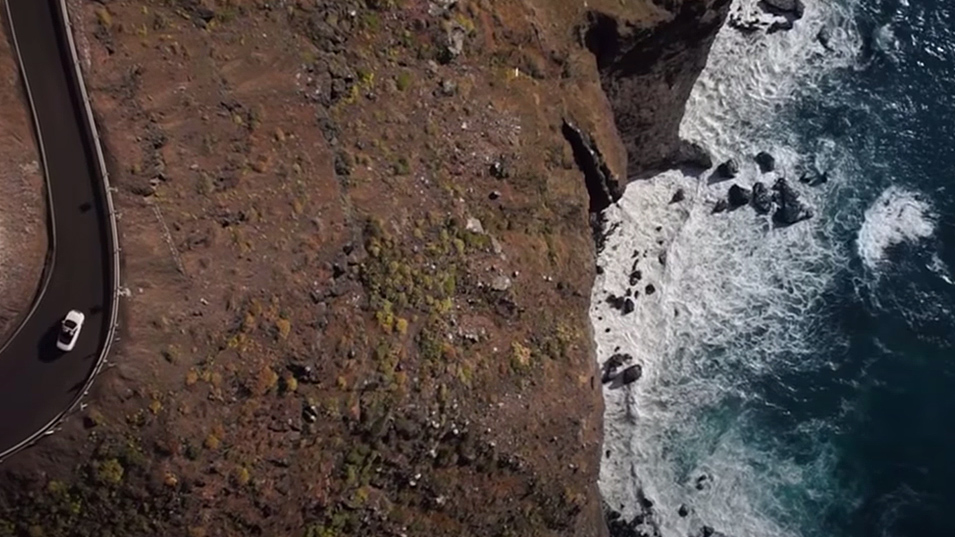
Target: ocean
797,381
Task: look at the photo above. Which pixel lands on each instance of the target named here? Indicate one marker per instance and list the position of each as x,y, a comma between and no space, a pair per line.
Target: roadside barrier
66,26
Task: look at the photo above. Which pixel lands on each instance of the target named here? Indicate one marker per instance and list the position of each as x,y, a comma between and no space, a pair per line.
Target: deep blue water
889,396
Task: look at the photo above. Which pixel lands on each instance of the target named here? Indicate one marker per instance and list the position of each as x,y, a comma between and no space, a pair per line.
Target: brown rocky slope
357,249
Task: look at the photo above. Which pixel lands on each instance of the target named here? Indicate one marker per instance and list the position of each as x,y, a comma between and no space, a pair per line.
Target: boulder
824,37
762,199
738,196
499,169
678,196
683,510
631,374
791,210
728,169
766,162
708,531
720,206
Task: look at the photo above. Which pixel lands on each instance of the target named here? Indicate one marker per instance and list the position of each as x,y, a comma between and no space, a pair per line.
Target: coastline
293,167
676,256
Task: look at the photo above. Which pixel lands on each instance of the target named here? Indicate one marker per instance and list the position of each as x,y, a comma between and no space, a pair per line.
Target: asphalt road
37,381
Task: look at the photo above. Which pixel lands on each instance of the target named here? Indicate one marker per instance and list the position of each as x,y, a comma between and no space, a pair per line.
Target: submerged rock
678,196
766,162
762,200
738,196
791,210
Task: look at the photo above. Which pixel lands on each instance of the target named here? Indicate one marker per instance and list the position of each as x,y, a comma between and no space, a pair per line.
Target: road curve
38,382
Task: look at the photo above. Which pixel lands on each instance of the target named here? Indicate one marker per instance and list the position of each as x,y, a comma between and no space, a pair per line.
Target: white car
70,330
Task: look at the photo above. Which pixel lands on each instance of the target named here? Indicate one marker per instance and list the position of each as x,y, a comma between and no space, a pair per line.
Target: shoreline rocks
791,209
765,161
728,169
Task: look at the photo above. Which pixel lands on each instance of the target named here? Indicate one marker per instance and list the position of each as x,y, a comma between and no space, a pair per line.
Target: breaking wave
725,315
896,217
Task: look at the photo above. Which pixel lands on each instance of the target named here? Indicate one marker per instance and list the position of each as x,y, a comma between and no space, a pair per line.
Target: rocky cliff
648,71
356,240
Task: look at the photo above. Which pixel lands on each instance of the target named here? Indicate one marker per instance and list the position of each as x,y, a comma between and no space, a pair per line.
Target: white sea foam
731,301
897,216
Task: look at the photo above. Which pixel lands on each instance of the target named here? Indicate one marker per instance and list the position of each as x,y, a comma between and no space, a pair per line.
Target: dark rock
780,26
791,210
611,366
702,482
499,170
762,199
738,196
635,65
631,375
448,88
205,14
650,289
617,360
683,510
602,185
824,37
791,9
708,531
628,306
309,413
678,196
616,302
728,169
766,162
494,195
721,205
662,258
813,178
745,26
635,277
692,155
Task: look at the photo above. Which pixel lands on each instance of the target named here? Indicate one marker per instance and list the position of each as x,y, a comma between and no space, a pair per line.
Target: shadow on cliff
647,74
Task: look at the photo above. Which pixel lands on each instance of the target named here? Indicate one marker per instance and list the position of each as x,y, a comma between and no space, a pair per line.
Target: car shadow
46,348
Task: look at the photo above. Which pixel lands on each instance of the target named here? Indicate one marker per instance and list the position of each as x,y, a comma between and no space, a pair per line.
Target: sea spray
723,303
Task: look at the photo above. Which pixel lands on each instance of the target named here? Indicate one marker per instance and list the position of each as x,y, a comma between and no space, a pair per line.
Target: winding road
37,381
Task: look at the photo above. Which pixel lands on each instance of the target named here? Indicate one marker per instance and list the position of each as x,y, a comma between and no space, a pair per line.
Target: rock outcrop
647,74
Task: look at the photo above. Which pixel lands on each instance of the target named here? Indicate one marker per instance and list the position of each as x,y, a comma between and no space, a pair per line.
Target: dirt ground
360,263
23,223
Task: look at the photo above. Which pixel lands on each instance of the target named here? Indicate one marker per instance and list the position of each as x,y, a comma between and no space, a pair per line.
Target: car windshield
69,325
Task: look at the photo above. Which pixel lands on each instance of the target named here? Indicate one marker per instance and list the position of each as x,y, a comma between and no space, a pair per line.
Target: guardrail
100,162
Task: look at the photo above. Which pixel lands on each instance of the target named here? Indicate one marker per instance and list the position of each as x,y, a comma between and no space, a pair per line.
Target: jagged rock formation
648,73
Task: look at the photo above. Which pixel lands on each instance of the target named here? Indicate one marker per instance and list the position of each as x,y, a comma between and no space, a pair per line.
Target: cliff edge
356,241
